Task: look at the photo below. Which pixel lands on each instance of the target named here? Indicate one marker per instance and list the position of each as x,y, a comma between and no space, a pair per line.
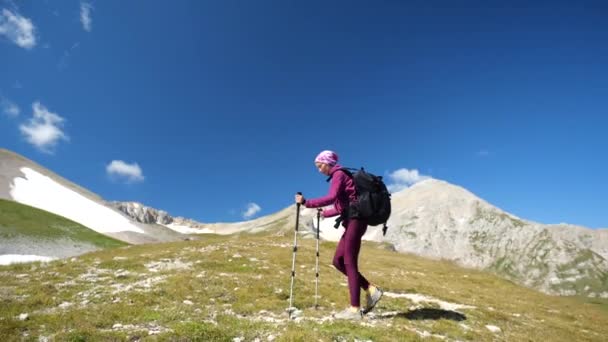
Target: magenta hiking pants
346,259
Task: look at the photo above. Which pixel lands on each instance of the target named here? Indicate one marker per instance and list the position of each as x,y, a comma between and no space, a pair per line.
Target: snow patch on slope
40,191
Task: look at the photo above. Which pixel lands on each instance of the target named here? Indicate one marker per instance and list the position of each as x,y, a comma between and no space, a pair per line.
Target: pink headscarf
328,157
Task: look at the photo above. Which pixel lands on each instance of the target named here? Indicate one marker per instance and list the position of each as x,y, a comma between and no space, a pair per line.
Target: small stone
122,274
117,326
24,317
188,302
493,328
295,313
65,305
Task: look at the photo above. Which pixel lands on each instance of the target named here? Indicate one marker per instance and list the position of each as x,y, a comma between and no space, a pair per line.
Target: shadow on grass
425,314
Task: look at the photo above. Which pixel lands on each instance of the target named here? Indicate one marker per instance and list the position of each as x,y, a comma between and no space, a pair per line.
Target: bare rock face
142,214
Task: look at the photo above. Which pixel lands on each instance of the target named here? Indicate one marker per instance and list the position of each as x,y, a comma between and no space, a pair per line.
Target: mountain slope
26,230
237,287
26,182
433,218
440,220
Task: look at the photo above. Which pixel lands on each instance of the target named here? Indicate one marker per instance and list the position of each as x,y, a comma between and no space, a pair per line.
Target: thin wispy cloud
483,153
85,16
404,178
18,29
44,129
131,173
9,108
251,210
64,61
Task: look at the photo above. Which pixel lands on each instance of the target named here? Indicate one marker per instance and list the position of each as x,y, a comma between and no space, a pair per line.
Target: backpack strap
346,170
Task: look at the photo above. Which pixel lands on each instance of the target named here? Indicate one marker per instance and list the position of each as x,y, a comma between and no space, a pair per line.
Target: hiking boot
349,314
372,299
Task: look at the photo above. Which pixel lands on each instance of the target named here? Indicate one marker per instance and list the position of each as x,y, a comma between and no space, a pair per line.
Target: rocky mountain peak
142,213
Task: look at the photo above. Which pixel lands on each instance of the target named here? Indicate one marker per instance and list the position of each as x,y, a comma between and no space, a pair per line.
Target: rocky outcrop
142,213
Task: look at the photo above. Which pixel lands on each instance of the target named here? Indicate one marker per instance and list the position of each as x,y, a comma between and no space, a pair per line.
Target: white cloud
9,108
404,178
44,129
85,16
252,209
18,29
129,172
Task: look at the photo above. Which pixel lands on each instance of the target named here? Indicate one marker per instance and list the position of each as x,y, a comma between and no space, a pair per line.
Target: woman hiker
341,195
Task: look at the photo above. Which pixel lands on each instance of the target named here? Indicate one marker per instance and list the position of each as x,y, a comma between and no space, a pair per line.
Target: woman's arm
336,185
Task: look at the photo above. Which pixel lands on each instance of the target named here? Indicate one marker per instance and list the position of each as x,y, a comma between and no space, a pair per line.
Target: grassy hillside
22,221
236,288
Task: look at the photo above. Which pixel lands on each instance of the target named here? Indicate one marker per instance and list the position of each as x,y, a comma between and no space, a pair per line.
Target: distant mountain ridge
433,218
440,220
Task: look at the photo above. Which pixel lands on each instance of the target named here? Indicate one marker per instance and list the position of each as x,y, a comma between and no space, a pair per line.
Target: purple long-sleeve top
341,193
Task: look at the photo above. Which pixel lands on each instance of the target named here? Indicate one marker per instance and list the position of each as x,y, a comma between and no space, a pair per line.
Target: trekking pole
293,262
317,281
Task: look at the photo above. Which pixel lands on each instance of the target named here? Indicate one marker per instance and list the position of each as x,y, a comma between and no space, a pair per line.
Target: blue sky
202,108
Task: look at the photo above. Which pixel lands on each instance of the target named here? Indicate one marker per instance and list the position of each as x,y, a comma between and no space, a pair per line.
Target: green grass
492,216
225,287
585,284
19,220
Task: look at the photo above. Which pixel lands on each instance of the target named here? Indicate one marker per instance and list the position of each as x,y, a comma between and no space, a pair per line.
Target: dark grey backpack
373,199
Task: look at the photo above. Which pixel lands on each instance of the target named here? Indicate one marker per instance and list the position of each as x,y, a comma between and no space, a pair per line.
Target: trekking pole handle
319,210
299,193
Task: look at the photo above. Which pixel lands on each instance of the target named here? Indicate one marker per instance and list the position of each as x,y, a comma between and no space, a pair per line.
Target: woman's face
323,168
